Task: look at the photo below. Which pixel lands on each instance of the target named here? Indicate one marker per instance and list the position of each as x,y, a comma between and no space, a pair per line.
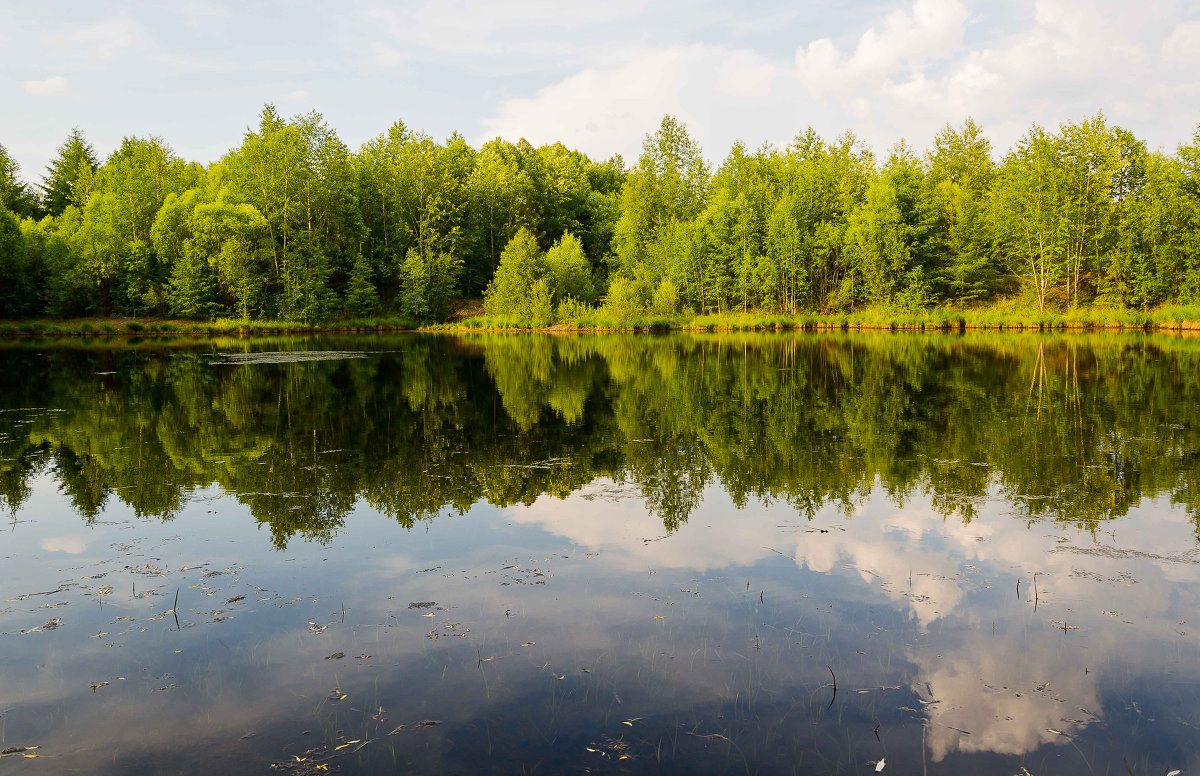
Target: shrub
626,300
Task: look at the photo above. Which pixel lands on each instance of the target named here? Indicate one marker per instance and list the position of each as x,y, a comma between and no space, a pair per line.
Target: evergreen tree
361,297
68,177
190,291
15,195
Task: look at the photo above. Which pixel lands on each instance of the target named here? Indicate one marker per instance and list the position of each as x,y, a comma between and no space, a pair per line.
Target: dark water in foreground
602,555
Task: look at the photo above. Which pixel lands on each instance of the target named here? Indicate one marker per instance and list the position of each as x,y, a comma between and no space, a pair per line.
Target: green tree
15,282
502,199
68,177
877,254
961,174
415,193
522,267
570,271
1098,164
190,292
1025,214
413,300
361,296
16,195
669,184
300,177
786,245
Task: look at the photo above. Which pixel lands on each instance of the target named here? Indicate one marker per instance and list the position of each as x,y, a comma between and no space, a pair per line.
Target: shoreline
974,321
1094,326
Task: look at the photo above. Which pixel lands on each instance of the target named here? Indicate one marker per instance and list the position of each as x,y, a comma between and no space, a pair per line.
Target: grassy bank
1001,317
998,317
141,327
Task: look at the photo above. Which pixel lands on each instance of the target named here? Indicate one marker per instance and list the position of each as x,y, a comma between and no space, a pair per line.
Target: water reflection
989,541
1073,428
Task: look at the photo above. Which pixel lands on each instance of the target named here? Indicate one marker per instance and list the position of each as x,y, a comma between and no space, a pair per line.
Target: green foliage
666,298
293,224
571,310
627,300
570,271
877,253
414,276
69,176
16,195
191,289
361,297
15,300
669,185
538,309
522,265
306,295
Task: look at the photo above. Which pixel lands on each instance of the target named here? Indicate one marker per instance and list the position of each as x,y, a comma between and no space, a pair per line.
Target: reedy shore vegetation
293,230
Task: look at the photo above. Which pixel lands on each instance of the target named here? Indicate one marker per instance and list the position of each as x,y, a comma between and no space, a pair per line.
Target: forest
293,225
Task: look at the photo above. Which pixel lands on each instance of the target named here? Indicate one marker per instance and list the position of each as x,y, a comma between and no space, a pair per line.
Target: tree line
292,224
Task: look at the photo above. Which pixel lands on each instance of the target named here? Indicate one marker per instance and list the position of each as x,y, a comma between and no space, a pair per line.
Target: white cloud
54,85
907,74
72,545
1182,46
96,44
1001,691
601,75
474,29
722,94
199,10
386,56
996,690
908,39
601,111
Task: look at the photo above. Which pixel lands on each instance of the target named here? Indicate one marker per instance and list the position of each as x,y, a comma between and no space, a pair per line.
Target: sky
596,76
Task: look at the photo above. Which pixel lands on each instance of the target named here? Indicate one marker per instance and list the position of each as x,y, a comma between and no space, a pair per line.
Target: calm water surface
518,554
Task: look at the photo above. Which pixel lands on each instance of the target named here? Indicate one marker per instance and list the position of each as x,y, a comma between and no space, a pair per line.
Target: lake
711,553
